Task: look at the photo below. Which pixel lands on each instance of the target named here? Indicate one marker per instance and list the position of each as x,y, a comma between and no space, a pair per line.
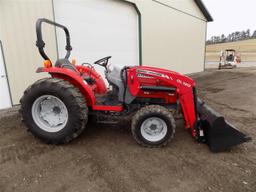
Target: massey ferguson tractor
56,109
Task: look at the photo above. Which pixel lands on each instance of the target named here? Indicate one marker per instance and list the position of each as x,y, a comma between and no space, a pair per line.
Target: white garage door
99,28
5,101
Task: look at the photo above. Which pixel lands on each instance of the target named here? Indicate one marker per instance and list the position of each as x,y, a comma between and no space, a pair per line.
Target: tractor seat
65,63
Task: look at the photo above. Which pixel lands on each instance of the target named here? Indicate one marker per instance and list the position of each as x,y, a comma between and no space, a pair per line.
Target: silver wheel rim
49,113
153,129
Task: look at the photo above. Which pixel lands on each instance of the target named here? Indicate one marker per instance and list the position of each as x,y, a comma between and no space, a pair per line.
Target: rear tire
54,111
153,126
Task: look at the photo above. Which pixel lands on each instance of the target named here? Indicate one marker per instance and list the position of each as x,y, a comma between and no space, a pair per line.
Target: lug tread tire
146,111
76,101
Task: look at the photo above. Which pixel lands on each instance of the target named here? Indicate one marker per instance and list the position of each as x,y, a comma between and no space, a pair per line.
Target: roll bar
40,43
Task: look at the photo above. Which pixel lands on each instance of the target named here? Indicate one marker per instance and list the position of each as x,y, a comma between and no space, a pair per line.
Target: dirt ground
106,158
215,64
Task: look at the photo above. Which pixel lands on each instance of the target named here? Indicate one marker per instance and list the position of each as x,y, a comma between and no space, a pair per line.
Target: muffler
219,134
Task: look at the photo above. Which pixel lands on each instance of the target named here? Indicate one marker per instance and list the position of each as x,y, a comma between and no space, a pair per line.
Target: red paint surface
136,77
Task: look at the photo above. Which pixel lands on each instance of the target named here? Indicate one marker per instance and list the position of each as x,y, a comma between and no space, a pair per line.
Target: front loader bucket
219,134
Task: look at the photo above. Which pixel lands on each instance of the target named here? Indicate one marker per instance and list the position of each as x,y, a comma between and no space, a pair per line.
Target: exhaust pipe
219,134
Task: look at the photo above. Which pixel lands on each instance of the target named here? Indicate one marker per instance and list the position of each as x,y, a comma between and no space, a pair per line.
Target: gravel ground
106,158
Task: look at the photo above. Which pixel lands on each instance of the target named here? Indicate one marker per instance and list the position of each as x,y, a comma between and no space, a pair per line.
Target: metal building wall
17,33
173,34
173,37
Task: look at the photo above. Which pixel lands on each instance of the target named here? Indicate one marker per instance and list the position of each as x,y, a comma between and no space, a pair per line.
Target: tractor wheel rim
49,113
154,129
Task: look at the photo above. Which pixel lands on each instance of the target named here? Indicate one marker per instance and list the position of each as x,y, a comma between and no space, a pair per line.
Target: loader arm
205,124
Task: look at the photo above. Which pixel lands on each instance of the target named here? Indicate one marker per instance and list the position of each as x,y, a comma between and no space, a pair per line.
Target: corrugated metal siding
170,38
17,32
186,6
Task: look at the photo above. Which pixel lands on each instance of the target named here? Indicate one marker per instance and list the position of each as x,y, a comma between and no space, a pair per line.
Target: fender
74,79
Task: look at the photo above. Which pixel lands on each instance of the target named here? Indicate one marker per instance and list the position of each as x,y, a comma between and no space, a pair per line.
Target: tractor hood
171,76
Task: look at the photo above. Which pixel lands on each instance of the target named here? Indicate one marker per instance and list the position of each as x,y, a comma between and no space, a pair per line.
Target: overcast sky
230,16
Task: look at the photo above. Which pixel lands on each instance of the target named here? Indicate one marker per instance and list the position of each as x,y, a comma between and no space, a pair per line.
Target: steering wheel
103,62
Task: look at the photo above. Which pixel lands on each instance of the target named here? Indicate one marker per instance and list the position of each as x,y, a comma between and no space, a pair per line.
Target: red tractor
56,109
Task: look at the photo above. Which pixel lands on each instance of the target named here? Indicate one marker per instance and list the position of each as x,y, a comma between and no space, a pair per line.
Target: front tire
54,111
153,126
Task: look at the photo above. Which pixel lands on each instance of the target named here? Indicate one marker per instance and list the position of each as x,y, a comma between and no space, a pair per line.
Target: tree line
235,36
